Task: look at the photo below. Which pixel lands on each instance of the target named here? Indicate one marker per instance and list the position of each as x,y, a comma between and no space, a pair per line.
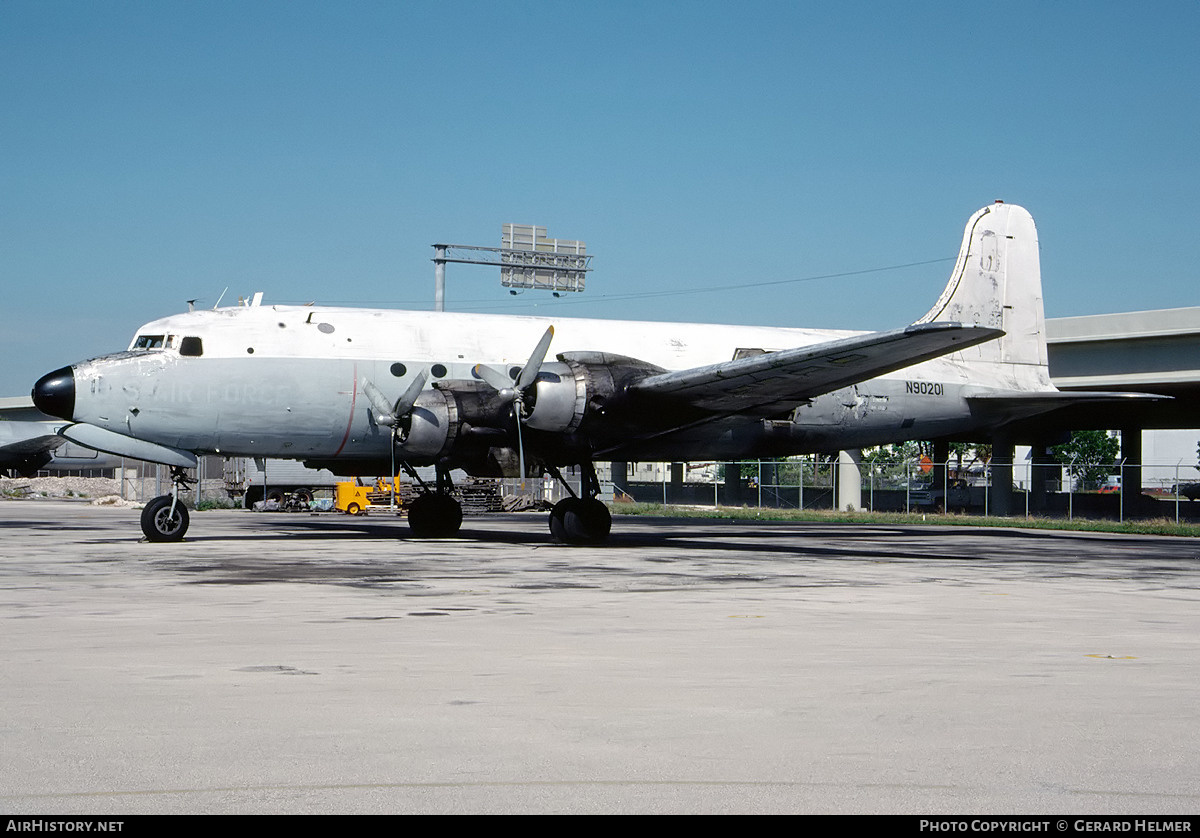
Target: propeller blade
510,390
529,372
389,415
383,411
520,454
409,398
494,377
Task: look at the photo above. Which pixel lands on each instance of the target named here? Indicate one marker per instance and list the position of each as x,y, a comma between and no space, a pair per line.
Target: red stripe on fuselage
353,401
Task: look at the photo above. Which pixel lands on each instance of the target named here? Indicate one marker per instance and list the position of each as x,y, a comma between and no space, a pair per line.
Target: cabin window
148,342
192,347
438,370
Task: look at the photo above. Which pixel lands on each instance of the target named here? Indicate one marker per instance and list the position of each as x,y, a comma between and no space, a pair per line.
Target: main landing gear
580,520
574,520
165,518
434,514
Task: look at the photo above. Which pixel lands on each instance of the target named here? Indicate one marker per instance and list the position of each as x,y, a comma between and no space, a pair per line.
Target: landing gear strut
165,518
580,520
434,514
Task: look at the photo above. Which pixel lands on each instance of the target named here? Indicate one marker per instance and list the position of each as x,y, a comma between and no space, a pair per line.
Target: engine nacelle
559,399
582,385
427,433
470,421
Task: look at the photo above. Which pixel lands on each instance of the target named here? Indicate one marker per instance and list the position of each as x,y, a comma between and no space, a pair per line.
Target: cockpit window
148,342
191,346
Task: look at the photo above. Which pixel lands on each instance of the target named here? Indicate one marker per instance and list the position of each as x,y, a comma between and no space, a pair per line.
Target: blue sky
155,152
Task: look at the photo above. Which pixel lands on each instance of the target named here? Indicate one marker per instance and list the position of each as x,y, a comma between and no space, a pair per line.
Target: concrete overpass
1140,351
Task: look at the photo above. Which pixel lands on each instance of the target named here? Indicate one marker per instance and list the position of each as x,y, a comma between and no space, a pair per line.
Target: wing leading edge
775,382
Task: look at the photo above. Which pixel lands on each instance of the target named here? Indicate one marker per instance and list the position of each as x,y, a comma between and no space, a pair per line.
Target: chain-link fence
1106,490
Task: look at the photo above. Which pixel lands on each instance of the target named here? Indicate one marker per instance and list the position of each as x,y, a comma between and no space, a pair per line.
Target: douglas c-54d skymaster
356,390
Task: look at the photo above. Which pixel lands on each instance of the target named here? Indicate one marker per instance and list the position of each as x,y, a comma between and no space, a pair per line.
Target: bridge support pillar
1003,450
1131,471
676,493
732,489
620,479
849,480
1042,470
941,461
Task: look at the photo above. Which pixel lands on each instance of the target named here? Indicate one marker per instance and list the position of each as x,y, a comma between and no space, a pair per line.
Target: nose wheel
165,518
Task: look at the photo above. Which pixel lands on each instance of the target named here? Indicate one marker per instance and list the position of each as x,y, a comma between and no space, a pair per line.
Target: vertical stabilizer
997,282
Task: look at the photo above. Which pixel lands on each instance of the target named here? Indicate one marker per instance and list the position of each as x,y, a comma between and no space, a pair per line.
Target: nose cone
54,393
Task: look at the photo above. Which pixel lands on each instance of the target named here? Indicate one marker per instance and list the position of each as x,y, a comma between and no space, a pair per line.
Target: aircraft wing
776,382
29,437
26,446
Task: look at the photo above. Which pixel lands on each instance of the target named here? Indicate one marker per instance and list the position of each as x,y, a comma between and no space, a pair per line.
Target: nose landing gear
165,518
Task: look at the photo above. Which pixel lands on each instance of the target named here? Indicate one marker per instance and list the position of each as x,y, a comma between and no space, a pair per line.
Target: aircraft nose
54,393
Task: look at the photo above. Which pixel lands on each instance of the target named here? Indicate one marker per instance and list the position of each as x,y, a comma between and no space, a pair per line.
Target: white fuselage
287,381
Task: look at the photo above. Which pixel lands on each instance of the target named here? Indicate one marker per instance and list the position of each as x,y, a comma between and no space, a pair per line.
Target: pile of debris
58,487
524,503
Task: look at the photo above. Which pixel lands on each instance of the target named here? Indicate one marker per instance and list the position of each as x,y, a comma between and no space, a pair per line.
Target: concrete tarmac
296,663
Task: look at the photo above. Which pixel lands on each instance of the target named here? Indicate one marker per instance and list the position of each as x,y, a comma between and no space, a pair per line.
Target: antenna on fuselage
220,298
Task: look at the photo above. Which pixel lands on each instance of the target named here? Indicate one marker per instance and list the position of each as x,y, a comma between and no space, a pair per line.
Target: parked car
1191,491
958,495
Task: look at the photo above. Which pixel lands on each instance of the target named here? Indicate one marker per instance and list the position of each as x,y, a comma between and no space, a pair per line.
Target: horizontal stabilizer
775,382
1003,406
124,446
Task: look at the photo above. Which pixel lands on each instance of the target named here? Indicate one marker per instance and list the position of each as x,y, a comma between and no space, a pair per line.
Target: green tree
1090,456
972,452
892,464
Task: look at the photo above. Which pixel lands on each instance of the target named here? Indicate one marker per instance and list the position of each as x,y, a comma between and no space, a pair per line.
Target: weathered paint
283,381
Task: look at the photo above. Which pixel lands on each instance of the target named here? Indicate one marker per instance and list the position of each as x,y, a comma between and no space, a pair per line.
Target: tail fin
997,282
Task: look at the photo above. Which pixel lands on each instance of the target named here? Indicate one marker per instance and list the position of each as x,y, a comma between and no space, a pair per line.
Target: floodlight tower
526,258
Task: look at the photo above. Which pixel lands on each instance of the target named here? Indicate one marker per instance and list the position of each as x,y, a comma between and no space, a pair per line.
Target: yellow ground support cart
352,498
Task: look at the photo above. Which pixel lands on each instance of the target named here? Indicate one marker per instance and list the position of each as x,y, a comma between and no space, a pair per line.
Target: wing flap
774,382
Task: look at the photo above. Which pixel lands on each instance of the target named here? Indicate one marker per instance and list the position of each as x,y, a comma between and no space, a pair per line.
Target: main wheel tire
580,521
160,524
596,519
558,519
434,516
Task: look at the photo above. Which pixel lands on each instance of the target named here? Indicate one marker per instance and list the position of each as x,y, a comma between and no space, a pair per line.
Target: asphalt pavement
298,663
